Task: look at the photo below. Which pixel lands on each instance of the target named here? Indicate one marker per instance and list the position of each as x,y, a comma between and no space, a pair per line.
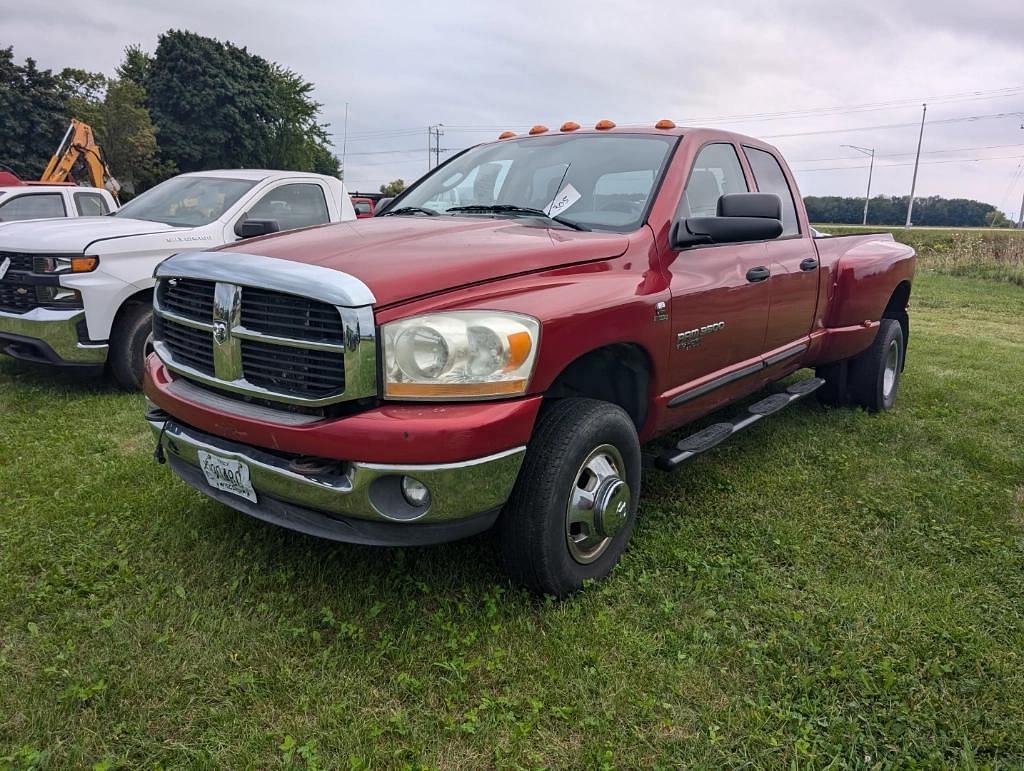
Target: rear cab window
769,177
32,206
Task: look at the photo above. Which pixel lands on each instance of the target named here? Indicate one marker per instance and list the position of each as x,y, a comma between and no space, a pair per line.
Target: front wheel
131,341
574,504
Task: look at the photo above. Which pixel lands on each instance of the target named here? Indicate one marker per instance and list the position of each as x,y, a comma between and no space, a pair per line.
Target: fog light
415,492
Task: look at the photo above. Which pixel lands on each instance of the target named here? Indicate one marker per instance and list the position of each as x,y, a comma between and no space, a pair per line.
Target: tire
874,376
130,343
582,450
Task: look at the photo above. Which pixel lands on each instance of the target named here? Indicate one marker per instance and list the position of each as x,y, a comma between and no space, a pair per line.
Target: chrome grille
187,297
281,315
293,370
188,345
215,326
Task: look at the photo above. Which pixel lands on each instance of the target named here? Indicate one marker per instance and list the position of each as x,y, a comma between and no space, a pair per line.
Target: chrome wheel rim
892,365
599,504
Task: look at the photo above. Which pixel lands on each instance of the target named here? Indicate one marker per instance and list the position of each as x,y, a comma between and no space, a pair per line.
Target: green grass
990,253
831,587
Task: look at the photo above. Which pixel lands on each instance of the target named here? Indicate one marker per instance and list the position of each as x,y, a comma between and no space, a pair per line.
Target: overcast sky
838,73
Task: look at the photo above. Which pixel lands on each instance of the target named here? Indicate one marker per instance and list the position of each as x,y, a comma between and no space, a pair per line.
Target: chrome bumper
49,336
370,492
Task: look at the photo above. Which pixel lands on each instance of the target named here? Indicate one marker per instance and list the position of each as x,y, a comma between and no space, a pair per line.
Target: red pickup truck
496,347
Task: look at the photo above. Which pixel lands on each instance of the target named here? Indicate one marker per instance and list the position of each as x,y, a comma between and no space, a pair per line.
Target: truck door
720,294
792,259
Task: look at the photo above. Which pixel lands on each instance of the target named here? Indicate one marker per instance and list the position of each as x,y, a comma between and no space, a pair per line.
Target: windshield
186,201
600,181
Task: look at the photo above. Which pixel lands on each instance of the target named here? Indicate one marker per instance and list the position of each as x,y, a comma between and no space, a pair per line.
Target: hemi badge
4,266
660,312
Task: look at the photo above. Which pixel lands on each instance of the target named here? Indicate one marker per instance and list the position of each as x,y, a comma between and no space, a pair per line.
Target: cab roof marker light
665,123
506,135
538,129
604,125
569,125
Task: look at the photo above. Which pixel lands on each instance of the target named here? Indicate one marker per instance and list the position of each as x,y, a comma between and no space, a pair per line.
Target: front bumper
48,337
357,502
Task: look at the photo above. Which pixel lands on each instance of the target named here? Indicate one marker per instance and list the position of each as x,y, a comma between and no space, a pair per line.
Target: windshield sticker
563,201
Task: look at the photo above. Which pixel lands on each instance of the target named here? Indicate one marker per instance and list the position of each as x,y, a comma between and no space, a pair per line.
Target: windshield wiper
411,210
510,209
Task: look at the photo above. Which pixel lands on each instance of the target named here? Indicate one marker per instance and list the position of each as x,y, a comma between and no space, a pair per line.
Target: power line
962,96
904,155
923,163
915,124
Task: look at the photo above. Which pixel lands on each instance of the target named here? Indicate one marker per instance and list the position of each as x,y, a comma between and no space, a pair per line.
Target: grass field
992,253
830,589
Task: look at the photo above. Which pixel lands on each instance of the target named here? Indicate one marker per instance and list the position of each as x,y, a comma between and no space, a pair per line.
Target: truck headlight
64,264
459,355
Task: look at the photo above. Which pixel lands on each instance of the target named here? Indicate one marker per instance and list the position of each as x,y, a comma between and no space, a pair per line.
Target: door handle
760,273
809,264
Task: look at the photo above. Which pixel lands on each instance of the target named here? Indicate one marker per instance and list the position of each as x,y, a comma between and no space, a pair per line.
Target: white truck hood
75,234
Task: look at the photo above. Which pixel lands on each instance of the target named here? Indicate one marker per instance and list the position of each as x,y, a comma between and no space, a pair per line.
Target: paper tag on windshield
563,201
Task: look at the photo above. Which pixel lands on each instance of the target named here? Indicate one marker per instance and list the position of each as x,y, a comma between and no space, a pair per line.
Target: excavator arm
79,143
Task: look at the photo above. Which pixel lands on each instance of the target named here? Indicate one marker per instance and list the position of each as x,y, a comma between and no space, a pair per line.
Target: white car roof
256,174
35,188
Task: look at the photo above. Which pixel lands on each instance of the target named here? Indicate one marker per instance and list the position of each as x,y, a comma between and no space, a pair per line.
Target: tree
218,106
129,139
892,210
393,188
135,66
996,219
33,115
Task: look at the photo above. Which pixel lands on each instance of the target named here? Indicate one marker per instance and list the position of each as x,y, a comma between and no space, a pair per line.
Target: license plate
231,476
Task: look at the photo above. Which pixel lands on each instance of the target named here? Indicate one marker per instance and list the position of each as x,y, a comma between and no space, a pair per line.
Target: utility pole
344,143
871,168
917,160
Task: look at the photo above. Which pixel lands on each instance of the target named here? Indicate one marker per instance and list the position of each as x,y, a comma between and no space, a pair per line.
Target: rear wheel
131,341
875,374
573,508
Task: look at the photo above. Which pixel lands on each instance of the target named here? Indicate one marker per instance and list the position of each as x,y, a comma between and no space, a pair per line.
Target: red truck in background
365,204
494,348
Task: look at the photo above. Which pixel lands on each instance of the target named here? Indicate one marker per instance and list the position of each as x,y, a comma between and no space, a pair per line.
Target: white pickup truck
78,292
32,200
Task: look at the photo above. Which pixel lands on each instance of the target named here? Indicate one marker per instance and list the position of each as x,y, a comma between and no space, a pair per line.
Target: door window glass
716,172
90,205
770,179
293,206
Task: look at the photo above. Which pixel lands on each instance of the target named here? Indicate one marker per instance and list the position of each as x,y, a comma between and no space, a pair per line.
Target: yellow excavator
79,144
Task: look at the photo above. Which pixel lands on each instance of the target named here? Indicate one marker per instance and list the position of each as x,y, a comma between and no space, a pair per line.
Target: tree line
195,103
892,210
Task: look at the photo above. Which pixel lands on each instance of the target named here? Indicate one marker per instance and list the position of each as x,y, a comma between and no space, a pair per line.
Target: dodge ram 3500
78,292
494,349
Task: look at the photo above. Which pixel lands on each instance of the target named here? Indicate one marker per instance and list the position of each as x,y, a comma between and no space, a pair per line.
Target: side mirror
247,228
382,205
741,217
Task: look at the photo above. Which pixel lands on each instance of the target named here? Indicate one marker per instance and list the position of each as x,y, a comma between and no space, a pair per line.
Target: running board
715,434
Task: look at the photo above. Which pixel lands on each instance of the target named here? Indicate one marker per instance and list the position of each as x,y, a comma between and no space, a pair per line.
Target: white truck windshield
187,201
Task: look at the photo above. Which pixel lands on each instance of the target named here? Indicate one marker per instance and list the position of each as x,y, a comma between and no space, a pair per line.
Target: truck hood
402,258
73,234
